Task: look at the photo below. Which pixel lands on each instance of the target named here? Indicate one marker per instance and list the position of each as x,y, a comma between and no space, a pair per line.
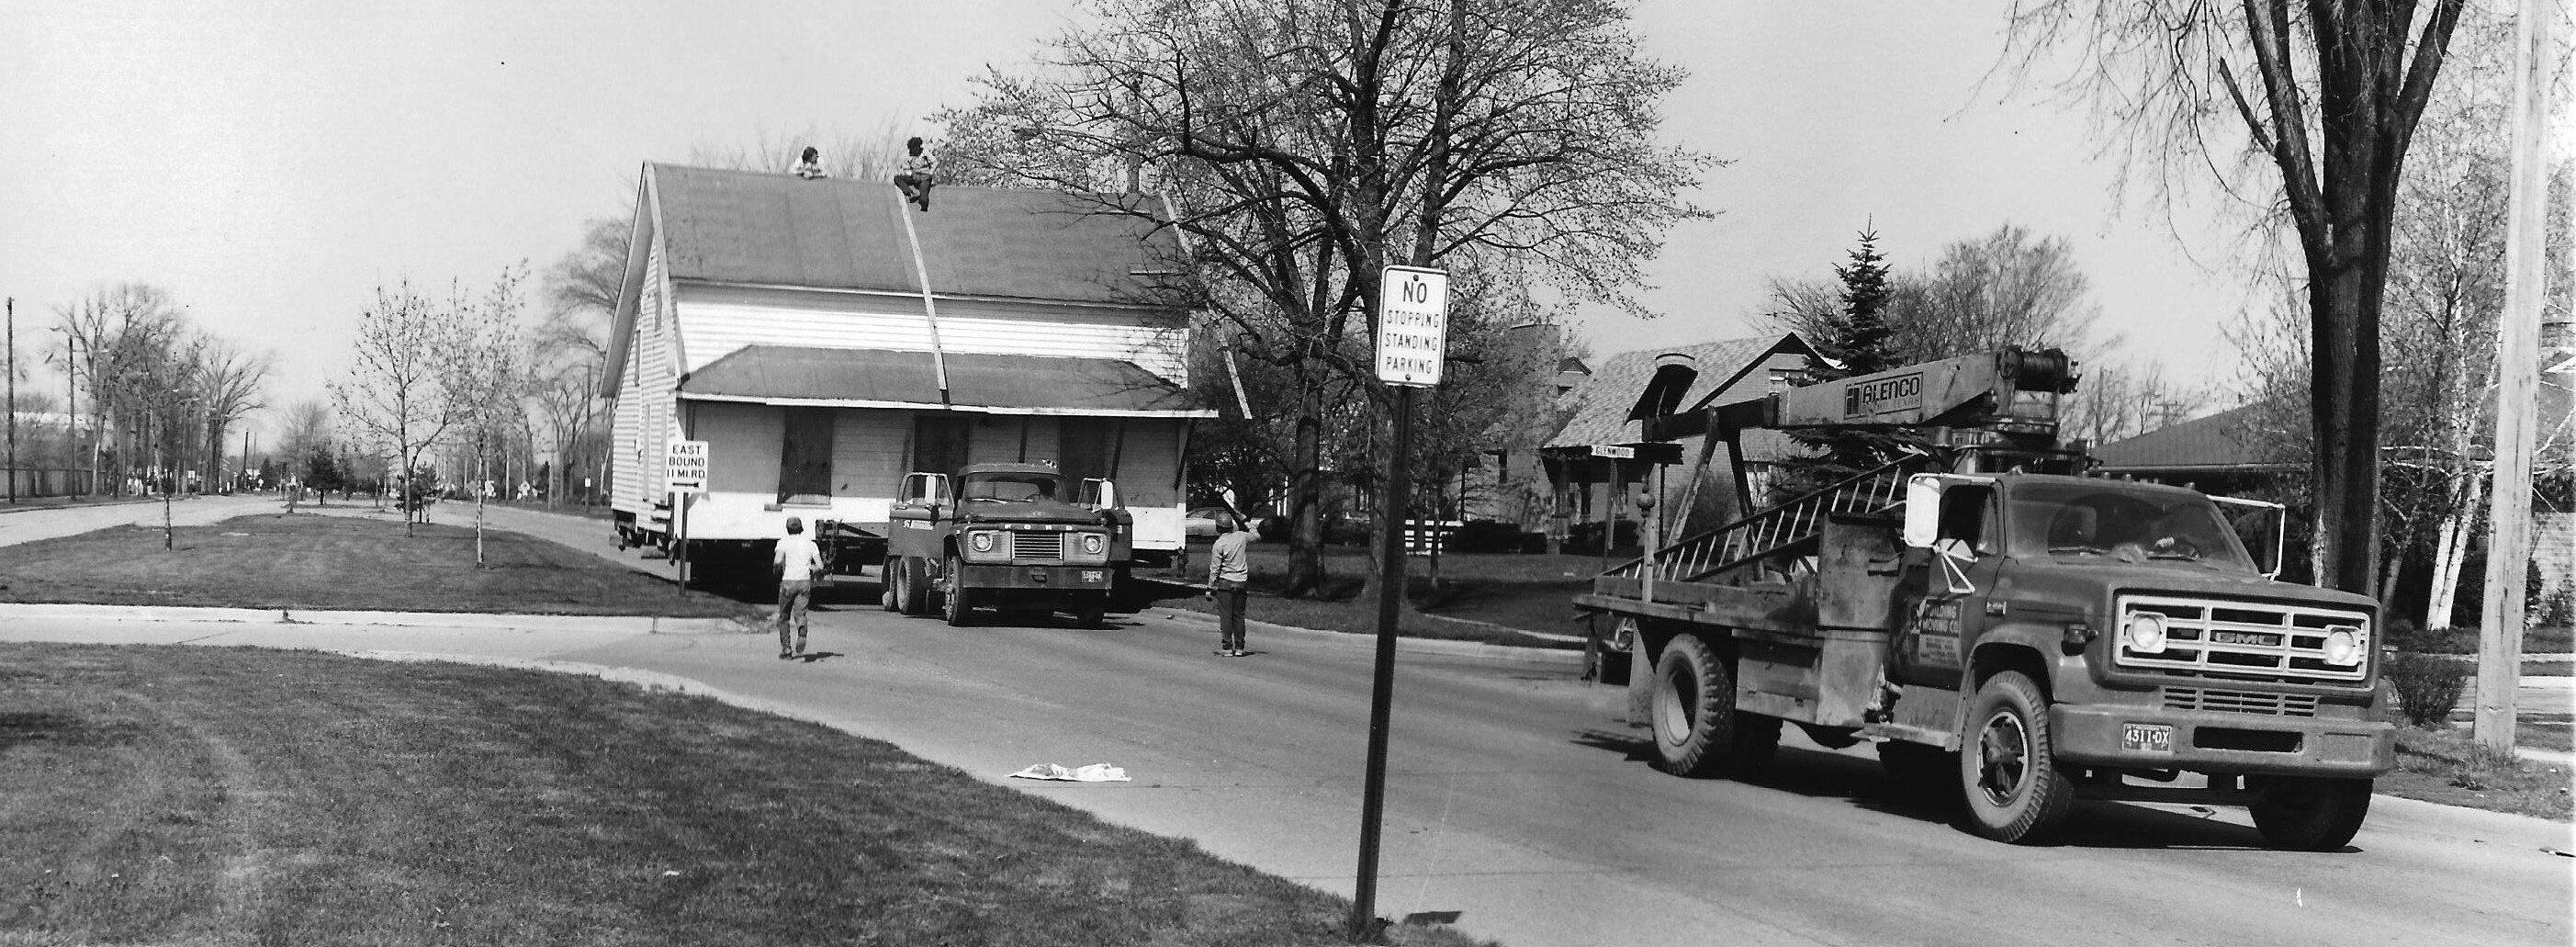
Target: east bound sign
685,469
1412,325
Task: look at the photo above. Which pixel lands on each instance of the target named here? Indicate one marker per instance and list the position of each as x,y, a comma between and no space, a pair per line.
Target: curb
1473,649
634,624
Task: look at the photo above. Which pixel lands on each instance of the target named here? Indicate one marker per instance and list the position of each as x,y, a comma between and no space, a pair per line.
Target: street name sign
685,470
1412,325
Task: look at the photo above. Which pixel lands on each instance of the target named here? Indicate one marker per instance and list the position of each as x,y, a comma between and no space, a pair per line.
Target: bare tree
394,399
1308,144
229,382
485,381
118,343
571,346
2328,95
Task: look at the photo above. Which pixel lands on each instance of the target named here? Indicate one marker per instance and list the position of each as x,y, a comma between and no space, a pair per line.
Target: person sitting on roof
920,168
810,165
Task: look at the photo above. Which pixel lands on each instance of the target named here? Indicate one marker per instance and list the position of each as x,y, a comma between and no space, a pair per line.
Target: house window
1089,447
805,457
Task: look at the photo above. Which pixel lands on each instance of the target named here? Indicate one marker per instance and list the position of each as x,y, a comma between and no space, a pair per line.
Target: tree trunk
1305,487
2344,298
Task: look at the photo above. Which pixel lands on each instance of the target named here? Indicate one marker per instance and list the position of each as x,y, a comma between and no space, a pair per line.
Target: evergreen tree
1858,342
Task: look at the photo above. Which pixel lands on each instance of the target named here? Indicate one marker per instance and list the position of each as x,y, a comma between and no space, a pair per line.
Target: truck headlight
983,542
2145,633
1093,543
2343,646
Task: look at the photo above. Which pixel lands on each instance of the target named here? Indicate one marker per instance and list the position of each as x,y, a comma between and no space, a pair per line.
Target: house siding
724,319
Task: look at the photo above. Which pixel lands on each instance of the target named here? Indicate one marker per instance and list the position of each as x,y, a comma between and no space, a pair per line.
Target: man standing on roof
796,561
920,169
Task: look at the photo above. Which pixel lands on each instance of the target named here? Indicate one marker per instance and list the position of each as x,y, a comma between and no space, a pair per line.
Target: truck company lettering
1903,392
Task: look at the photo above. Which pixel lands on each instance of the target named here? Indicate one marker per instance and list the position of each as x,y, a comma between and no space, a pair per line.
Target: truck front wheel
1698,731
960,604
2310,813
2008,766
1092,611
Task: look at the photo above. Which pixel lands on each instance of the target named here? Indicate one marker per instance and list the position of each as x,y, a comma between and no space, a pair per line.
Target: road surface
1517,798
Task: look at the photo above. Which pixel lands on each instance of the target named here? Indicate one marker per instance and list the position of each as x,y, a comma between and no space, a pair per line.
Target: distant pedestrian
796,561
920,170
810,165
1229,579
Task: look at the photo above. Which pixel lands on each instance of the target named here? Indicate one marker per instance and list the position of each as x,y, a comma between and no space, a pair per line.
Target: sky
270,164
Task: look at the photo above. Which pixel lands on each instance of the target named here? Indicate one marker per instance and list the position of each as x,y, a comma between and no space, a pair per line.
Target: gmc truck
2003,628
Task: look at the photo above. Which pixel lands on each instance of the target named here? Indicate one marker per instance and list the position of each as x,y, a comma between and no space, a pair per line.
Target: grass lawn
304,560
2448,767
1476,593
184,795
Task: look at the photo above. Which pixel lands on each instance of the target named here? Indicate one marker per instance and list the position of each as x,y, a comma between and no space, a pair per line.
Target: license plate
1094,576
2151,737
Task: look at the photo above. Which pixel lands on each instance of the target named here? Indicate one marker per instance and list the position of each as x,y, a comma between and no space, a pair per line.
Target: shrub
1486,536
1584,539
2428,686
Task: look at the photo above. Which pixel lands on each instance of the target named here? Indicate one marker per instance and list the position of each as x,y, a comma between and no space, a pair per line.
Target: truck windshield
2116,522
1009,488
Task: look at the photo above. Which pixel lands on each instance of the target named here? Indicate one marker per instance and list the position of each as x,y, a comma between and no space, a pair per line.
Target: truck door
1952,589
913,525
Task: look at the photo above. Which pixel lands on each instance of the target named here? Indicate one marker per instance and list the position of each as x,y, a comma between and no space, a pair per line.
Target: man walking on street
1229,574
796,561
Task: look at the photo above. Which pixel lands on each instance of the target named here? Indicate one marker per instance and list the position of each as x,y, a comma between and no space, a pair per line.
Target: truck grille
1037,545
2241,702
2247,640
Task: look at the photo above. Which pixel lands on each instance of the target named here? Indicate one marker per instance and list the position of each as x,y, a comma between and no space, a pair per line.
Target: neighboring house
2220,454
1600,457
824,340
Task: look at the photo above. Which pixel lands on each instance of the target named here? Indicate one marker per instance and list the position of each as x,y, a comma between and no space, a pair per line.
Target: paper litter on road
1094,773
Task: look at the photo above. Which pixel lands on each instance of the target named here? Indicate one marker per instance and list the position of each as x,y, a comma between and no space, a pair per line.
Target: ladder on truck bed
1788,529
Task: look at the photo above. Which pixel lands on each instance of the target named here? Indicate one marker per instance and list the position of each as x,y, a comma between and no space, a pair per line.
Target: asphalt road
1518,799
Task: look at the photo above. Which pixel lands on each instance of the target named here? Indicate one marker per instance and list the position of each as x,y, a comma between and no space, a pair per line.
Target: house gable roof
2222,441
838,235
832,233
1602,403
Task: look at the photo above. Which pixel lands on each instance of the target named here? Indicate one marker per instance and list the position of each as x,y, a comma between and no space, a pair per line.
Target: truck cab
1012,537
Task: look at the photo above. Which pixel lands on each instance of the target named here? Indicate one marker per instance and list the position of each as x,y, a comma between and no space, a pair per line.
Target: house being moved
824,339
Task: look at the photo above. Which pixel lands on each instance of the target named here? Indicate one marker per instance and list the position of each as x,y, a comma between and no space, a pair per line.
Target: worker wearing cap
796,561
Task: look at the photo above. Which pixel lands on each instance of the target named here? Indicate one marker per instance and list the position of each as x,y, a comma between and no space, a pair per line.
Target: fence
48,482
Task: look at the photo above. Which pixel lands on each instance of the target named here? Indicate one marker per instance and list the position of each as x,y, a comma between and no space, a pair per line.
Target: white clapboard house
824,338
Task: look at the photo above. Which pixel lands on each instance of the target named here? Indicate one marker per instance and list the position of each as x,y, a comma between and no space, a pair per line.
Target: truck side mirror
1922,510
1100,494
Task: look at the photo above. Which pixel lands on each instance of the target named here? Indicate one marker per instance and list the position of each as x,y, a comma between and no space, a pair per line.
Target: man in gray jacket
1229,575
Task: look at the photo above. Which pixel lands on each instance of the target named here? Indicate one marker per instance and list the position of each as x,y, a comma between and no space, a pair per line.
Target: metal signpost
1412,335
684,474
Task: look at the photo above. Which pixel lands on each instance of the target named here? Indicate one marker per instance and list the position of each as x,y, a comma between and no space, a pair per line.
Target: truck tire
1698,732
1092,611
2008,765
2310,813
959,604
887,592
912,587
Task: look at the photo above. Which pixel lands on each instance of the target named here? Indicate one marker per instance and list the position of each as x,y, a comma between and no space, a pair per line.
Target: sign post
684,473
1412,338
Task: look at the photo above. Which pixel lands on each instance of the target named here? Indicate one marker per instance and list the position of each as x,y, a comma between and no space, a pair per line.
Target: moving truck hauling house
824,341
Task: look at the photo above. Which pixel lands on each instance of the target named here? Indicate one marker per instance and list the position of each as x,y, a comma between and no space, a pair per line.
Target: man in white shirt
796,562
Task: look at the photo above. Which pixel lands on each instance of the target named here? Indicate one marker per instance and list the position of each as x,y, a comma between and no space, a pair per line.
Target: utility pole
2517,383
12,308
